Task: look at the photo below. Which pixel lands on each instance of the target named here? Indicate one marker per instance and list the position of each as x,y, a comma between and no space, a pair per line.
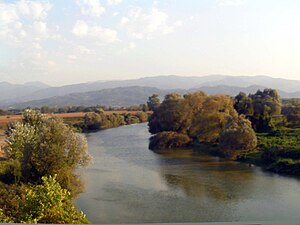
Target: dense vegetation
38,178
94,121
202,119
256,127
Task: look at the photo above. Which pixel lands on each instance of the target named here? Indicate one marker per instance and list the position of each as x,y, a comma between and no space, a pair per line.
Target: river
127,183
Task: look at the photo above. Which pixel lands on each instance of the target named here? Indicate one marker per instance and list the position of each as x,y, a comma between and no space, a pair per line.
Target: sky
72,41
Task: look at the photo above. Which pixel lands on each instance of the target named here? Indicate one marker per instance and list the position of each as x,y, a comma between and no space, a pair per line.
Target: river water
128,183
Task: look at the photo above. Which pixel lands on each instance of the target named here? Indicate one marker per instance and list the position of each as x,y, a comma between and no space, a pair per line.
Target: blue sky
61,42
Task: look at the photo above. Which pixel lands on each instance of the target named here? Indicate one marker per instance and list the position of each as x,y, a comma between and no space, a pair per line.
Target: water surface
127,183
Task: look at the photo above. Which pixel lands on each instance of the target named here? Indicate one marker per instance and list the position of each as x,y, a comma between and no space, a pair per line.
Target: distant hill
265,81
128,96
122,96
161,82
34,92
16,92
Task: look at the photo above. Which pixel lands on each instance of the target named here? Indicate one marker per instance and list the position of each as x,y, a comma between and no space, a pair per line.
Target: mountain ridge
33,91
133,95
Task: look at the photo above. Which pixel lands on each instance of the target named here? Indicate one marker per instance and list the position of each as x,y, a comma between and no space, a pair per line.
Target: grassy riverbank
277,152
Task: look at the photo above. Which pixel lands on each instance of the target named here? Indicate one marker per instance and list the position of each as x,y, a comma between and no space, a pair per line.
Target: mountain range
136,91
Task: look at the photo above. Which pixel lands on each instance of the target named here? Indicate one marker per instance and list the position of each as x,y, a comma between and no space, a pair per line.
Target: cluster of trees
196,117
95,121
38,178
231,126
263,109
72,109
291,110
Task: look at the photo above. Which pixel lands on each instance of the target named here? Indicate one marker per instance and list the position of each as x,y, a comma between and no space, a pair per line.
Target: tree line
235,125
95,121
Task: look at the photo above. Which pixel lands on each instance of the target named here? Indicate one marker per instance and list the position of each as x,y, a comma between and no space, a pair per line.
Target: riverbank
275,153
76,120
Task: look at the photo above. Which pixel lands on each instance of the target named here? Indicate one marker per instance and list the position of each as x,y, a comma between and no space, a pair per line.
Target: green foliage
286,165
291,111
41,146
131,119
244,104
199,117
142,116
173,114
49,203
4,218
263,109
169,140
153,102
99,121
238,137
43,203
266,106
9,201
211,120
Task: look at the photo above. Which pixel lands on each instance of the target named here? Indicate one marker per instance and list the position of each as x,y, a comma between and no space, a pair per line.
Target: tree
143,117
266,107
171,115
211,121
49,203
46,146
244,104
169,140
153,102
292,113
238,137
44,203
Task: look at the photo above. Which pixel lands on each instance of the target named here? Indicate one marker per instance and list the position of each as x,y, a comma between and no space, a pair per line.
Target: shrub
169,140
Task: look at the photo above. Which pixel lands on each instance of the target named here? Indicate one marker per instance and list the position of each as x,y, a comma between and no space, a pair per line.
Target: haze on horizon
73,41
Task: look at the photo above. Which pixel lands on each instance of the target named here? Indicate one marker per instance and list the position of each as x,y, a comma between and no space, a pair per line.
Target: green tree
43,203
153,102
46,146
238,137
49,203
171,115
211,121
169,140
266,107
244,104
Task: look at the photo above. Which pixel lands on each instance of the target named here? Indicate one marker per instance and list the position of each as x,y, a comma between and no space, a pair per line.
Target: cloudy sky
70,41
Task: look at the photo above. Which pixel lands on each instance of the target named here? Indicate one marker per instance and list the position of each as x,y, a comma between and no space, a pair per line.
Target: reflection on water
127,183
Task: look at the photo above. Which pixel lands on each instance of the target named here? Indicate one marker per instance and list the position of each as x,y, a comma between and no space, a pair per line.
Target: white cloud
231,2
132,45
85,51
72,57
12,15
42,31
146,25
115,13
51,63
91,7
82,29
114,2
11,12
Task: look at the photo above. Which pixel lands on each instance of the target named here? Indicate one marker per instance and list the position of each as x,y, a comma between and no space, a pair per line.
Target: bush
42,146
238,137
143,117
169,140
44,203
